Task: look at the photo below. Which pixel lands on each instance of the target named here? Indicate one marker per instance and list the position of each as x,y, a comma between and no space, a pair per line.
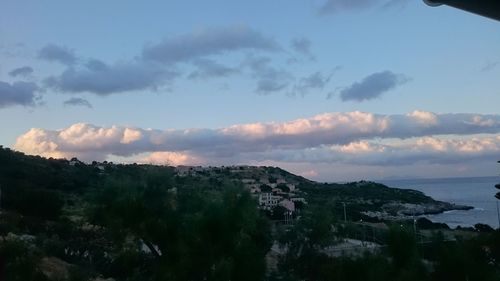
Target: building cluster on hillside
270,190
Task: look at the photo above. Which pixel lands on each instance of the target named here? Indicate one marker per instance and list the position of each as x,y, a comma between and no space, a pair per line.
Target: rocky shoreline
398,210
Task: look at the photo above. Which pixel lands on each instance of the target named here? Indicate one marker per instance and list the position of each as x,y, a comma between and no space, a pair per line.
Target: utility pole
498,216
414,224
498,197
345,215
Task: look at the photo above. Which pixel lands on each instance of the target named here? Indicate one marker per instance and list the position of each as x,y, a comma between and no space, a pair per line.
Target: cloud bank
351,137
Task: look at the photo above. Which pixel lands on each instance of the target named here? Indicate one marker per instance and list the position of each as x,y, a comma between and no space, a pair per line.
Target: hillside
68,220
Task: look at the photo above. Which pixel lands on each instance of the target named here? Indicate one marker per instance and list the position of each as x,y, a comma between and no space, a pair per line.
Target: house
248,181
280,180
268,200
288,204
264,180
298,199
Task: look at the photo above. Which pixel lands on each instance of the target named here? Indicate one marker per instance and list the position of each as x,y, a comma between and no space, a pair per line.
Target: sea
477,192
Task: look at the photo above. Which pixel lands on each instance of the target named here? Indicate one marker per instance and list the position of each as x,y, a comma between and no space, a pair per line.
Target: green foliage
424,223
142,222
34,172
216,229
483,227
474,259
19,262
265,188
359,196
283,187
42,203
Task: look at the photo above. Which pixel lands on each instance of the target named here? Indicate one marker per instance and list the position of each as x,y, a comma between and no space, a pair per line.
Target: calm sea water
476,192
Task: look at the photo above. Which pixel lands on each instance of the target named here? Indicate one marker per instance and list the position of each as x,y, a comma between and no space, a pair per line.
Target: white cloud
131,135
171,158
481,121
350,137
309,174
424,117
360,147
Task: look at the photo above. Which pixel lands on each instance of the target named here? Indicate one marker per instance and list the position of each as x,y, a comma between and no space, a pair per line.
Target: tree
265,188
216,230
402,248
18,262
42,203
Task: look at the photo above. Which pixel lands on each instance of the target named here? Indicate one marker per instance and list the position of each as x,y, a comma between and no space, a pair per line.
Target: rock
54,268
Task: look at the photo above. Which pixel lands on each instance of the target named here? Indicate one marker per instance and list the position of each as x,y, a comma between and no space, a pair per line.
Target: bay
477,192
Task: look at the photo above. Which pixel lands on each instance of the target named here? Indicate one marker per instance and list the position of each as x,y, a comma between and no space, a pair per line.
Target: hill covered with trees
67,220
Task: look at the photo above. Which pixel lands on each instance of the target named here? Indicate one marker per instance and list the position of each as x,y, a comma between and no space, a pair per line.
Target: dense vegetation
63,220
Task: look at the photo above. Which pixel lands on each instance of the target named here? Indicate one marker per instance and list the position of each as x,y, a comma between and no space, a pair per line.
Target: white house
268,200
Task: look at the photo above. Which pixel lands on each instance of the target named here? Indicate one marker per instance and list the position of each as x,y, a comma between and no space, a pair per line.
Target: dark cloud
490,66
303,47
57,53
206,68
373,86
17,93
159,63
396,3
334,6
207,42
78,102
103,79
21,71
315,81
18,50
269,85
269,79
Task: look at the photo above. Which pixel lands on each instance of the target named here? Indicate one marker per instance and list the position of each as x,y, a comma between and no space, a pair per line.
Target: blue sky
295,70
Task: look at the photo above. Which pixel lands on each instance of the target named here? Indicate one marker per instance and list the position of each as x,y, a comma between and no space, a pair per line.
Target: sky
333,90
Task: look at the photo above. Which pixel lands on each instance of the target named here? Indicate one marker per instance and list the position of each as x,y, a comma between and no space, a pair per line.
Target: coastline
477,192
398,211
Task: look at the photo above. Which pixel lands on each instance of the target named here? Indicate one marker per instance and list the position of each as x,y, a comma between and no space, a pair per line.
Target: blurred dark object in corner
486,8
